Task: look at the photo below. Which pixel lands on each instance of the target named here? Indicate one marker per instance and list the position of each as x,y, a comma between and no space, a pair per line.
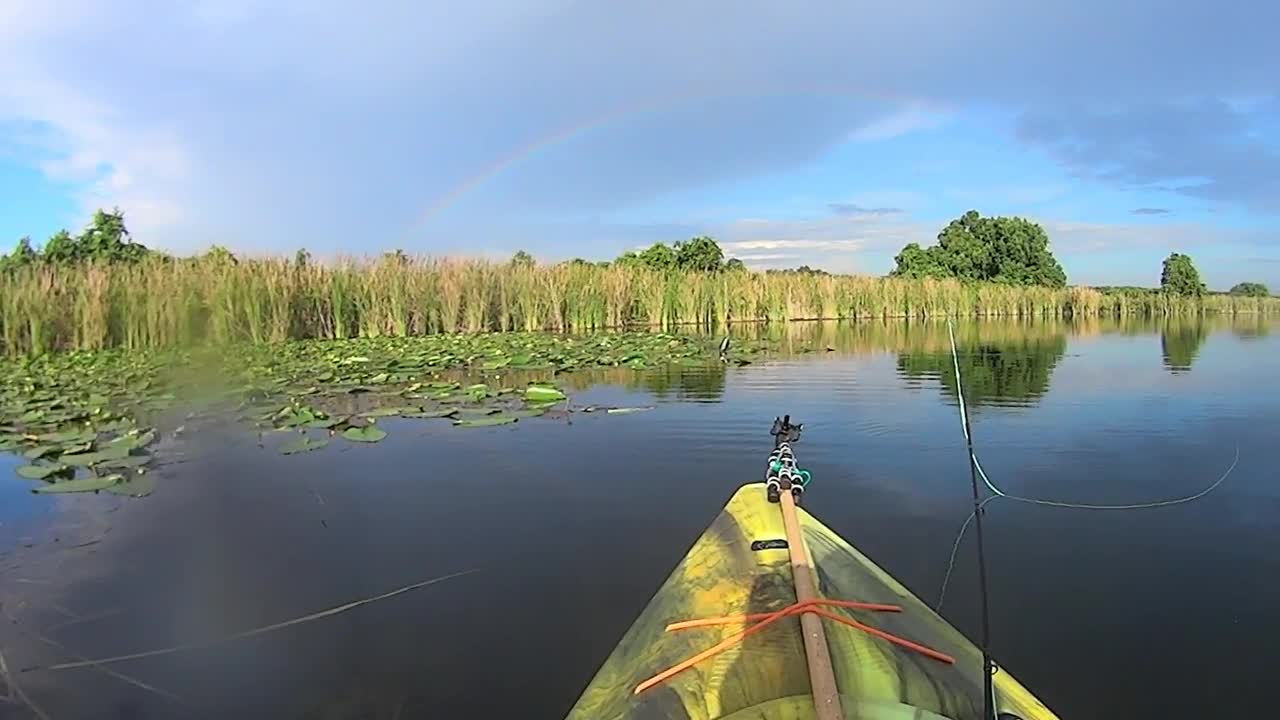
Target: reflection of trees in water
1016,371
684,382
895,336
1250,327
1180,342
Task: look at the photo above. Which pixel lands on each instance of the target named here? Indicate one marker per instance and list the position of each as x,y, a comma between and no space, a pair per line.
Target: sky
820,133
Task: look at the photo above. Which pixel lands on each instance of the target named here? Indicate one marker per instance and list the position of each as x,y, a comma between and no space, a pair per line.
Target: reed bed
167,303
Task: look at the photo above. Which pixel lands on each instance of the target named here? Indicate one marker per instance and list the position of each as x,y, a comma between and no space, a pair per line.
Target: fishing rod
988,666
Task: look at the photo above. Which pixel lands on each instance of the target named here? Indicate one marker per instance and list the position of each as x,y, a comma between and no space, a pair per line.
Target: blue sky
829,135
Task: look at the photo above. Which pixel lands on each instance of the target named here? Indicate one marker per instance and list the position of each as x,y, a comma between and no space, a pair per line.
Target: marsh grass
166,303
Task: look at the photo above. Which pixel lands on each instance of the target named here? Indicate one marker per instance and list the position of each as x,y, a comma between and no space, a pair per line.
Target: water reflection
1180,342
574,527
1250,327
682,383
995,372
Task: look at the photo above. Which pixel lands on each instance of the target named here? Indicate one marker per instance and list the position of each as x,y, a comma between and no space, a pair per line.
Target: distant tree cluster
802,270
699,254
105,239
1006,250
1250,289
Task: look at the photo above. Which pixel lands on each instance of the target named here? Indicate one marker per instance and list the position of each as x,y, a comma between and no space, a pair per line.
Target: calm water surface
1103,614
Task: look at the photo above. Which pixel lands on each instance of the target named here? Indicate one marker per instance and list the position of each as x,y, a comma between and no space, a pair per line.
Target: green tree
219,255
916,262
699,254
1009,250
1250,289
302,258
1180,277
629,259
522,259
658,256
734,265
62,248
23,254
105,239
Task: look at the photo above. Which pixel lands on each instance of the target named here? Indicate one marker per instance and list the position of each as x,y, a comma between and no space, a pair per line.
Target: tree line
1003,250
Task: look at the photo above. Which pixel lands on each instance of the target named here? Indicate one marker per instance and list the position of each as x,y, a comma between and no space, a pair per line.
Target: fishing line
996,492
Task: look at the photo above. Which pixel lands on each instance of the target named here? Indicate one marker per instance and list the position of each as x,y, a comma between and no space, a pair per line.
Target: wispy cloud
1150,211
900,122
764,258
854,209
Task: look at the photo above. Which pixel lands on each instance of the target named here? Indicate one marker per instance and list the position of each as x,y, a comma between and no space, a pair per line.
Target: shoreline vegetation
100,290
160,302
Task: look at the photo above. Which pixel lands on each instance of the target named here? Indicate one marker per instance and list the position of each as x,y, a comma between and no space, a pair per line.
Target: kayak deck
741,566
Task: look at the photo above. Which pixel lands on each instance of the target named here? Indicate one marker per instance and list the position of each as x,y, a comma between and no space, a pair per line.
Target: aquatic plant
165,303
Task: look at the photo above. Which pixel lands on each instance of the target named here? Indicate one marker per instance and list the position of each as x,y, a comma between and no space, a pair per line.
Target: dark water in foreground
1142,614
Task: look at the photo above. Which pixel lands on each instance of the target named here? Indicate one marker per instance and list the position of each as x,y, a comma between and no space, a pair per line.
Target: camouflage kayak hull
741,566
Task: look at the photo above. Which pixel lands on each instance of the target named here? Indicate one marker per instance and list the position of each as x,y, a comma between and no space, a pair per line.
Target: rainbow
623,111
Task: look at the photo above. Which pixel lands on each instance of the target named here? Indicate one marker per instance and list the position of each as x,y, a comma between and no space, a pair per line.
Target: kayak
738,575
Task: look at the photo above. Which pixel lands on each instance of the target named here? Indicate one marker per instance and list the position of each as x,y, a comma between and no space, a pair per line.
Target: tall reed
160,303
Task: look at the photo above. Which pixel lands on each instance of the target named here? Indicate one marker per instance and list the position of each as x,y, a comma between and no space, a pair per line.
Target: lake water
572,525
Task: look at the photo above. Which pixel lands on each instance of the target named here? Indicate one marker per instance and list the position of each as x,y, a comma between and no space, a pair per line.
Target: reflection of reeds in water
902,334
166,303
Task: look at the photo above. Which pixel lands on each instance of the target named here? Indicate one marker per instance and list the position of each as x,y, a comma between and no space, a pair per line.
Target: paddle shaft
826,699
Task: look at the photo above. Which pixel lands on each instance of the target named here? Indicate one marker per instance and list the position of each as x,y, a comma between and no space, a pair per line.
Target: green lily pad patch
303,444
364,434
41,472
543,393
88,484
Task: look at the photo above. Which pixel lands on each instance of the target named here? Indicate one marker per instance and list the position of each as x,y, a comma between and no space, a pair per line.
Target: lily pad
328,422
68,436
89,484
299,417
489,421
134,441
40,472
128,461
543,393
40,451
364,433
111,452
303,444
134,485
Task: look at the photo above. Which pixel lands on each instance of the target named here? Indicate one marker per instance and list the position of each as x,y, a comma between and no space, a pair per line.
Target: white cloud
900,122
764,258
